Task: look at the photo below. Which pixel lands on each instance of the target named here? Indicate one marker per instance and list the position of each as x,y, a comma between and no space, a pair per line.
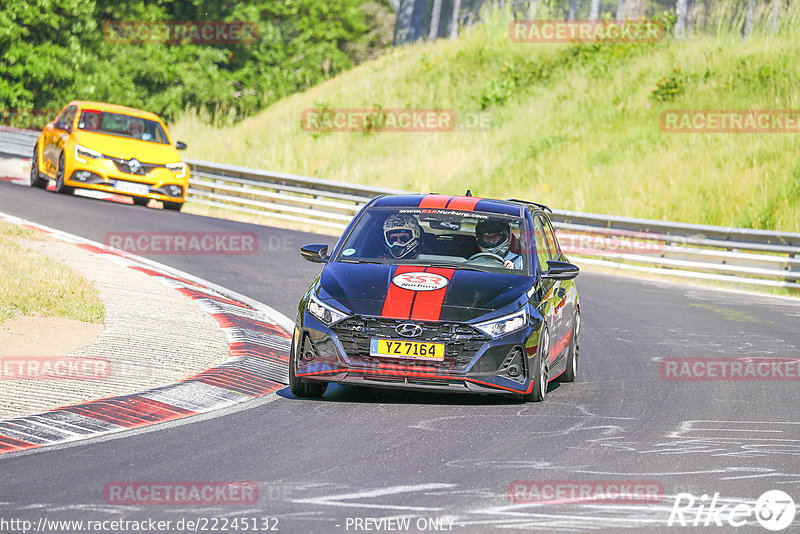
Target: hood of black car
410,292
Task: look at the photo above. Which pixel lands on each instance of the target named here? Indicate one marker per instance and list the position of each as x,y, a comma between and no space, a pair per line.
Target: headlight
327,314
81,152
177,167
504,325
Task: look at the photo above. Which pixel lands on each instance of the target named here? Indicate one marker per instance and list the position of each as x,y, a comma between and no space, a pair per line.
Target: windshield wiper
457,266
350,260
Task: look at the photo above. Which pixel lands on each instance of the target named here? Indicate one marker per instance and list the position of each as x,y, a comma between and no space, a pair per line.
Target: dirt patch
45,336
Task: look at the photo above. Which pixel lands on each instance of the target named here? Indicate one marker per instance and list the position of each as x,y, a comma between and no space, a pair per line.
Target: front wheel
300,387
36,179
60,187
537,370
574,349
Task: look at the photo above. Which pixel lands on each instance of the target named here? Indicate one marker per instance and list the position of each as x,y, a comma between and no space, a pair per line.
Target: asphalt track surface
321,465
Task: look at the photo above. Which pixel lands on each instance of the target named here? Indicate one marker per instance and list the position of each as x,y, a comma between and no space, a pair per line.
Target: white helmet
401,233
498,245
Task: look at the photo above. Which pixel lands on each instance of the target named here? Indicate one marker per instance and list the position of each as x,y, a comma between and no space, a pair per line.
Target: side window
552,242
542,253
67,117
63,114
70,119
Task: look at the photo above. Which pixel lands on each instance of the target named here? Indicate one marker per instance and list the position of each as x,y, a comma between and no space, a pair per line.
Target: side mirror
561,270
315,253
62,126
180,145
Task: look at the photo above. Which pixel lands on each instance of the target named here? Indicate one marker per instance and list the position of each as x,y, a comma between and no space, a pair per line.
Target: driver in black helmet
402,234
494,237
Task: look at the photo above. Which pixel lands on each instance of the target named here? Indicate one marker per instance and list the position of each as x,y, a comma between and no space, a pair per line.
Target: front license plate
414,350
130,187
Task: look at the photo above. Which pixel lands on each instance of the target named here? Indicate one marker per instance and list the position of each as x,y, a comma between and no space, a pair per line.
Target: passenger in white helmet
494,237
402,234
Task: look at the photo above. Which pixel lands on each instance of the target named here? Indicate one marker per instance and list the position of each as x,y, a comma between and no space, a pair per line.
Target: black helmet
401,233
497,246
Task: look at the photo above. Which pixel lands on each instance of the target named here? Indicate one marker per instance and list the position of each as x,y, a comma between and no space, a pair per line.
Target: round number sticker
775,510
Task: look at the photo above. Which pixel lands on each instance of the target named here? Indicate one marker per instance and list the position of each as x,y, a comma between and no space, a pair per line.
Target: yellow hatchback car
114,149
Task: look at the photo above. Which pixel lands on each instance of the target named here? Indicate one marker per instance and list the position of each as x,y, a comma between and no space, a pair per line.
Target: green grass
575,126
32,283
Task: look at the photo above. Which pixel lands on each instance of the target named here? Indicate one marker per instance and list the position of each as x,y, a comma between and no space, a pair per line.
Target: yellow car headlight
180,168
81,153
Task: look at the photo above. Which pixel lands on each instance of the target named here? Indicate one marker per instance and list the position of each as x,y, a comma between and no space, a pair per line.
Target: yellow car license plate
414,350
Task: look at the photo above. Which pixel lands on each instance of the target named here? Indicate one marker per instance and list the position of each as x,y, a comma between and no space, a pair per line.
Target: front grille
143,170
461,341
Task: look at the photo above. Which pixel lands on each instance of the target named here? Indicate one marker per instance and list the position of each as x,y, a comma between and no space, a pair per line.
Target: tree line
54,51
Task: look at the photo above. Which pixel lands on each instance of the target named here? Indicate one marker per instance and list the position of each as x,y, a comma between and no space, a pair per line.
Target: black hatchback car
437,292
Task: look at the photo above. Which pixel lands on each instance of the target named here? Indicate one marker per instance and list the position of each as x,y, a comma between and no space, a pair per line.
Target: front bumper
324,354
103,175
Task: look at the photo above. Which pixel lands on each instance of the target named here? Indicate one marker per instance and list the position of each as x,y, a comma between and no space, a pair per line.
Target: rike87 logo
774,510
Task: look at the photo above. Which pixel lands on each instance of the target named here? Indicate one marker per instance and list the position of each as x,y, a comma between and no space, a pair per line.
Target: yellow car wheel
60,187
37,180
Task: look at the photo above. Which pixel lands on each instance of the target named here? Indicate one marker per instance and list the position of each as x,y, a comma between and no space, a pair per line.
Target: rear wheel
36,179
300,387
572,356
60,187
537,370
174,206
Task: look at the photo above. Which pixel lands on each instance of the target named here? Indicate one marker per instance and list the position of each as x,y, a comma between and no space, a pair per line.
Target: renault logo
134,165
409,330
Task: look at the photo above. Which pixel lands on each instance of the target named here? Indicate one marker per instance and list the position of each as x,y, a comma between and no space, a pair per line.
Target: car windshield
458,239
122,125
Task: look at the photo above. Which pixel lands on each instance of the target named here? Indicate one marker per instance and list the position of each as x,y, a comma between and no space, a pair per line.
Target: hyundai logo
134,165
409,330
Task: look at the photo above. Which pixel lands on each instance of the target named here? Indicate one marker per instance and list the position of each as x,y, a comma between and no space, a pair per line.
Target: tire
174,206
538,370
300,387
60,187
574,350
140,201
36,179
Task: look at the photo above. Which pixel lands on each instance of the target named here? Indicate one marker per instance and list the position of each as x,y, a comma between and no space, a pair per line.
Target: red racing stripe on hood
428,304
434,201
397,304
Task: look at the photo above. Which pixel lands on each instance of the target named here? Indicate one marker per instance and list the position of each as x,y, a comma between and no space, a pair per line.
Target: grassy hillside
575,126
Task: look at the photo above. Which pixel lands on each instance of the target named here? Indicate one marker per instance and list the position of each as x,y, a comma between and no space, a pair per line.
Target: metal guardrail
17,142
282,196
756,257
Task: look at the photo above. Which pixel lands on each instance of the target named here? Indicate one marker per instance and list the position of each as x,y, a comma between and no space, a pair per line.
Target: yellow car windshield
122,125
